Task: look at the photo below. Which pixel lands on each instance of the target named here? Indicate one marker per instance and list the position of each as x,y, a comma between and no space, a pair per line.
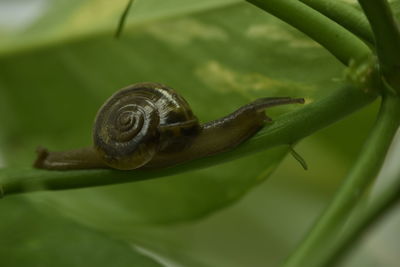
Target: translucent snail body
148,125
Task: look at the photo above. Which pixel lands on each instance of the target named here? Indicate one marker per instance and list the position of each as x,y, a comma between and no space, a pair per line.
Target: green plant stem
346,15
337,40
122,19
387,39
359,178
287,129
384,203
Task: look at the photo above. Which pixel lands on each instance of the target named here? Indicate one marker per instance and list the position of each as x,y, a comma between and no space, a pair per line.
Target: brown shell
140,120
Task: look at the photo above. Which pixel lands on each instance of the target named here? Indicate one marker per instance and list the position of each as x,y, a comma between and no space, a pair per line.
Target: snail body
148,126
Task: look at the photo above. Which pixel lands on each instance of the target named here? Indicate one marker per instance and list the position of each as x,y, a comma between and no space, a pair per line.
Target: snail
149,125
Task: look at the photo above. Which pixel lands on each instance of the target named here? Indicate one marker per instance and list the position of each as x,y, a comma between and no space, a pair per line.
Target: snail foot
42,154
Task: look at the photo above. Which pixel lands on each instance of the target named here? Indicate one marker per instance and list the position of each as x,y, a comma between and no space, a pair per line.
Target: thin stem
287,129
299,158
360,177
122,19
337,40
345,15
384,203
387,39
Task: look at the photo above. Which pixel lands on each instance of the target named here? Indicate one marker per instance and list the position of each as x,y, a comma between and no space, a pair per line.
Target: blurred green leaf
57,72
33,238
28,23
218,60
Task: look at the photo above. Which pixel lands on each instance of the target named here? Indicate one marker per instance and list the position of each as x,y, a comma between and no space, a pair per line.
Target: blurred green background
59,62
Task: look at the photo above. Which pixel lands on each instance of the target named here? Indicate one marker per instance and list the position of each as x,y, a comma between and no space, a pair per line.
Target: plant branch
287,129
359,178
122,19
387,39
384,203
345,15
337,40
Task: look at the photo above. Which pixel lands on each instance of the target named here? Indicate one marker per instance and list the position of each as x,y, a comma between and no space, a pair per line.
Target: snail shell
148,125
131,126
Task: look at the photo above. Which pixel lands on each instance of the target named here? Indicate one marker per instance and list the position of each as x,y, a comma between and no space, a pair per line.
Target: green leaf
47,22
36,238
54,76
218,60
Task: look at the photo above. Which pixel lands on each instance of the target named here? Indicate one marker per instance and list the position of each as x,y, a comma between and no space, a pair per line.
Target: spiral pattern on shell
127,127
